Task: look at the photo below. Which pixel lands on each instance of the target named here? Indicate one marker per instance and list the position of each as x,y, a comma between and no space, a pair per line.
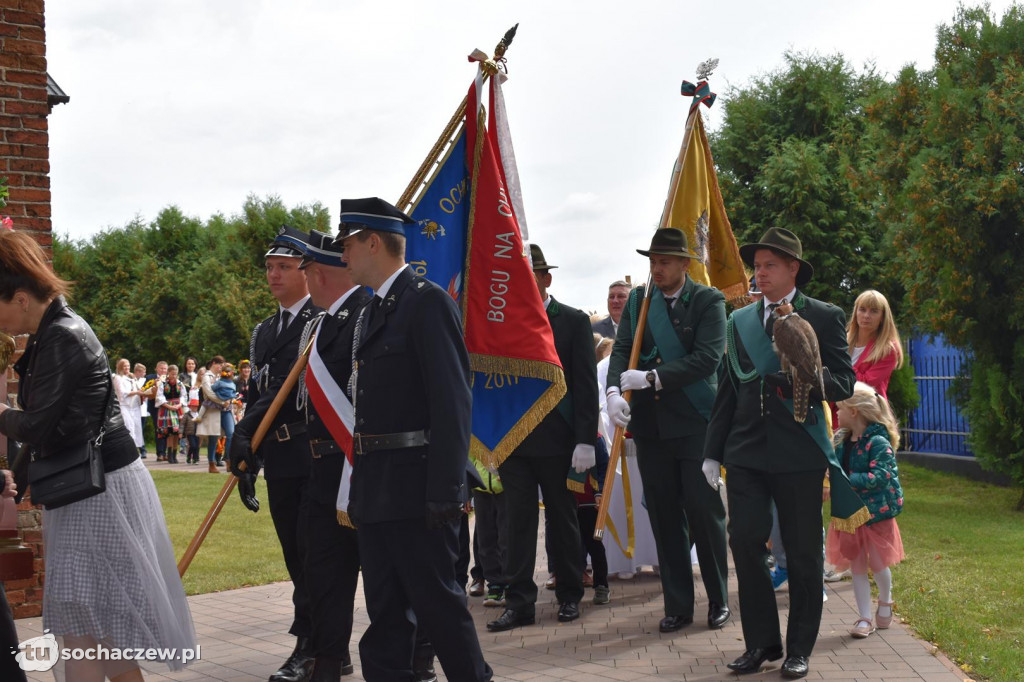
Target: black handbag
73,473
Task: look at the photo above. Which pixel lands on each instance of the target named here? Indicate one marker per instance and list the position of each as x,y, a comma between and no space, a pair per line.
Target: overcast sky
199,103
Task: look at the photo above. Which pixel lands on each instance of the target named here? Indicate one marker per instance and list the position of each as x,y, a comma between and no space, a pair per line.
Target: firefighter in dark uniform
284,453
412,415
332,549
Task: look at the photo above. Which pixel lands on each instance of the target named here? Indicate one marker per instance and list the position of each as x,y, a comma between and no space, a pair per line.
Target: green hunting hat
668,241
781,241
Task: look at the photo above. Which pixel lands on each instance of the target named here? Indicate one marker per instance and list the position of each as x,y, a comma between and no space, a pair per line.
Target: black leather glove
779,380
241,451
826,377
441,513
247,491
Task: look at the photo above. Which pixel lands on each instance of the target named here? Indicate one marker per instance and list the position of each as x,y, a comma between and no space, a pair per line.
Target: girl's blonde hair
887,338
602,347
875,409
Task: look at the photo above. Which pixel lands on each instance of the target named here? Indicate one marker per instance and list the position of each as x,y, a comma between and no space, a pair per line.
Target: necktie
669,300
769,324
286,317
370,311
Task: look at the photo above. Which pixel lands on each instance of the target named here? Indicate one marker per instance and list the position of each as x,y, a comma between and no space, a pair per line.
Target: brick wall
24,162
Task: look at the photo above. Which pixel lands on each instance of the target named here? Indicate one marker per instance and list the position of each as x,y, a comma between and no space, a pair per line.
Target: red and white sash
336,411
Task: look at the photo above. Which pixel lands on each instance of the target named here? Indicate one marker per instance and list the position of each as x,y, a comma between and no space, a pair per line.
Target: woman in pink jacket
874,342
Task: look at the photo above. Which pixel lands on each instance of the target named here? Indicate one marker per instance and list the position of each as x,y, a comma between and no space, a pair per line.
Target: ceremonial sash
700,393
335,409
848,511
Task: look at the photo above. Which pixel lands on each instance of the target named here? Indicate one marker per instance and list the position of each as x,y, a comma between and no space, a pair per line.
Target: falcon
796,344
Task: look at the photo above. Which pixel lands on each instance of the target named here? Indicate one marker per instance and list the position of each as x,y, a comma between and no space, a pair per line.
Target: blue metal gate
936,425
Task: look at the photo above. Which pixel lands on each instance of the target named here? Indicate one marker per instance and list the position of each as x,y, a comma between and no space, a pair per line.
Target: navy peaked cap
372,213
321,248
289,243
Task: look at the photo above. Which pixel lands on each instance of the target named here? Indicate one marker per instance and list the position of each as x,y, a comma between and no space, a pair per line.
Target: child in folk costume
188,430
866,443
227,391
586,488
171,399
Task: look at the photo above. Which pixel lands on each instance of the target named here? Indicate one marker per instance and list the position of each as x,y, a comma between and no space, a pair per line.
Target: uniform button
360,421
387,347
658,361
362,363
657,397
360,391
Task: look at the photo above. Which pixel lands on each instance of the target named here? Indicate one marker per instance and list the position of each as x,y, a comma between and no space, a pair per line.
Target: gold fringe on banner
545,403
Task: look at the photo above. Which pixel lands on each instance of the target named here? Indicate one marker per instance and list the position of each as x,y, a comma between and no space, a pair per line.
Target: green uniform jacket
740,433
699,321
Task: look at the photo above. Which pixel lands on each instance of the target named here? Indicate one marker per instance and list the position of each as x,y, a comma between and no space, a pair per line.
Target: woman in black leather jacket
111,578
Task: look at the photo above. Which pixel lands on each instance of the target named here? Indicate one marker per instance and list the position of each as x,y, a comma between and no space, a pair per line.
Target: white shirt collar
767,310
386,286
295,308
675,296
336,306
547,302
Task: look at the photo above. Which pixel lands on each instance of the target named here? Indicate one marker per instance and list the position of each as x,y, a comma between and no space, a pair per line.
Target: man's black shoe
511,619
751,660
568,611
673,623
330,669
718,615
795,667
423,666
299,666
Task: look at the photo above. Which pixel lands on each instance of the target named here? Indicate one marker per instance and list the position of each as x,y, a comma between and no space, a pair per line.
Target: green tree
955,197
178,286
790,153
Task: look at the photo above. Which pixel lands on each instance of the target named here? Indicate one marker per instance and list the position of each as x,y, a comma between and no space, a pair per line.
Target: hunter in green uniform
770,457
673,389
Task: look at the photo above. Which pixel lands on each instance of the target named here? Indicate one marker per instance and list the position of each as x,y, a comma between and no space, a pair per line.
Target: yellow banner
694,205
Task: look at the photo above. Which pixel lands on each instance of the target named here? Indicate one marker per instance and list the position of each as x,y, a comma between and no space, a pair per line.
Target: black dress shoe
511,619
423,666
673,623
299,666
330,669
751,660
718,615
568,611
795,667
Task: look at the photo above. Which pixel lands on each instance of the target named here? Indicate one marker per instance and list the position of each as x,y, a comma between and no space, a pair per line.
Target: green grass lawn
240,550
960,586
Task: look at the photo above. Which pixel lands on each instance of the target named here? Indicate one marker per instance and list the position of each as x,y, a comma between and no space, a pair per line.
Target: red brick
28,611
11,91
33,535
15,597
10,150
31,47
9,61
32,225
26,137
29,195
35,151
33,94
30,165
36,108
14,210
14,180
8,30
26,77
39,210
19,584
10,121
33,62
32,6
33,33
38,123
34,181
13,16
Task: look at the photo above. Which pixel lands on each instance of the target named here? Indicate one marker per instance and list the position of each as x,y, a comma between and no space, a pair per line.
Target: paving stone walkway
242,636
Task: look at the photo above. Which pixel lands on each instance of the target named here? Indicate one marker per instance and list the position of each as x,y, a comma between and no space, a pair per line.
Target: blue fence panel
936,425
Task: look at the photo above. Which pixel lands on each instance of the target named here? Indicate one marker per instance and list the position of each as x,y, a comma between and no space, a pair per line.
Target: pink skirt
877,546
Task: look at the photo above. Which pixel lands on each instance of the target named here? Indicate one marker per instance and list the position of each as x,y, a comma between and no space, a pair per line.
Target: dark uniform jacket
740,434
284,455
413,374
698,318
574,419
334,344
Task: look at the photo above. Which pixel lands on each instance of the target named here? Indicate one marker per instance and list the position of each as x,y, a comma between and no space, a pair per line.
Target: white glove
618,409
633,380
583,457
713,472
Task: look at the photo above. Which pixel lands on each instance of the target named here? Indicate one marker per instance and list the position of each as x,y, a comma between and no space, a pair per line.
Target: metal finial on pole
706,68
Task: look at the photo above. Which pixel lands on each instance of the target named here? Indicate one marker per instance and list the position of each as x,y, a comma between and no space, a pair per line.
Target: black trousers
587,517
410,586
490,538
684,510
520,477
287,498
9,668
797,497
332,576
